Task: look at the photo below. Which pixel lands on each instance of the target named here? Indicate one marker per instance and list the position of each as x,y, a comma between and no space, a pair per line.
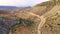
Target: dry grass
52,25
47,9
25,29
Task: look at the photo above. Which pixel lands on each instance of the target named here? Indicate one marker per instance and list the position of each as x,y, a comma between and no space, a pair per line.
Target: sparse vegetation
58,25
53,22
25,22
28,23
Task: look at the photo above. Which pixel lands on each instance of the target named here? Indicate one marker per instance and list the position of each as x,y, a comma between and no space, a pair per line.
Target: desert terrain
44,18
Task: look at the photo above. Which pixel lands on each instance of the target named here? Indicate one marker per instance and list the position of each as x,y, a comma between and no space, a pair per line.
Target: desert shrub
25,22
58,24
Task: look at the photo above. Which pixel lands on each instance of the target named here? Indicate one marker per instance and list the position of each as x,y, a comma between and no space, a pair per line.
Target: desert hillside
43,18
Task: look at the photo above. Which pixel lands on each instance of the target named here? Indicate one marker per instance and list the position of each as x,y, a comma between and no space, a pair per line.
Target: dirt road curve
41,23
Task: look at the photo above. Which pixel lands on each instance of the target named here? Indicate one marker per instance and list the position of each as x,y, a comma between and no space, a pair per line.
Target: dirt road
41,23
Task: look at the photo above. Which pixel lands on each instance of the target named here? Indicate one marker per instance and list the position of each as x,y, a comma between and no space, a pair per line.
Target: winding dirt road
41,23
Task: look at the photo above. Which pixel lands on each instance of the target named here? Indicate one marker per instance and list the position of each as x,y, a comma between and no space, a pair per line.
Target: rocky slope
41,19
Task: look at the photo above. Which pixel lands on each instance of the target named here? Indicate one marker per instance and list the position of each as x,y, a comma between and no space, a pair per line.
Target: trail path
41,23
